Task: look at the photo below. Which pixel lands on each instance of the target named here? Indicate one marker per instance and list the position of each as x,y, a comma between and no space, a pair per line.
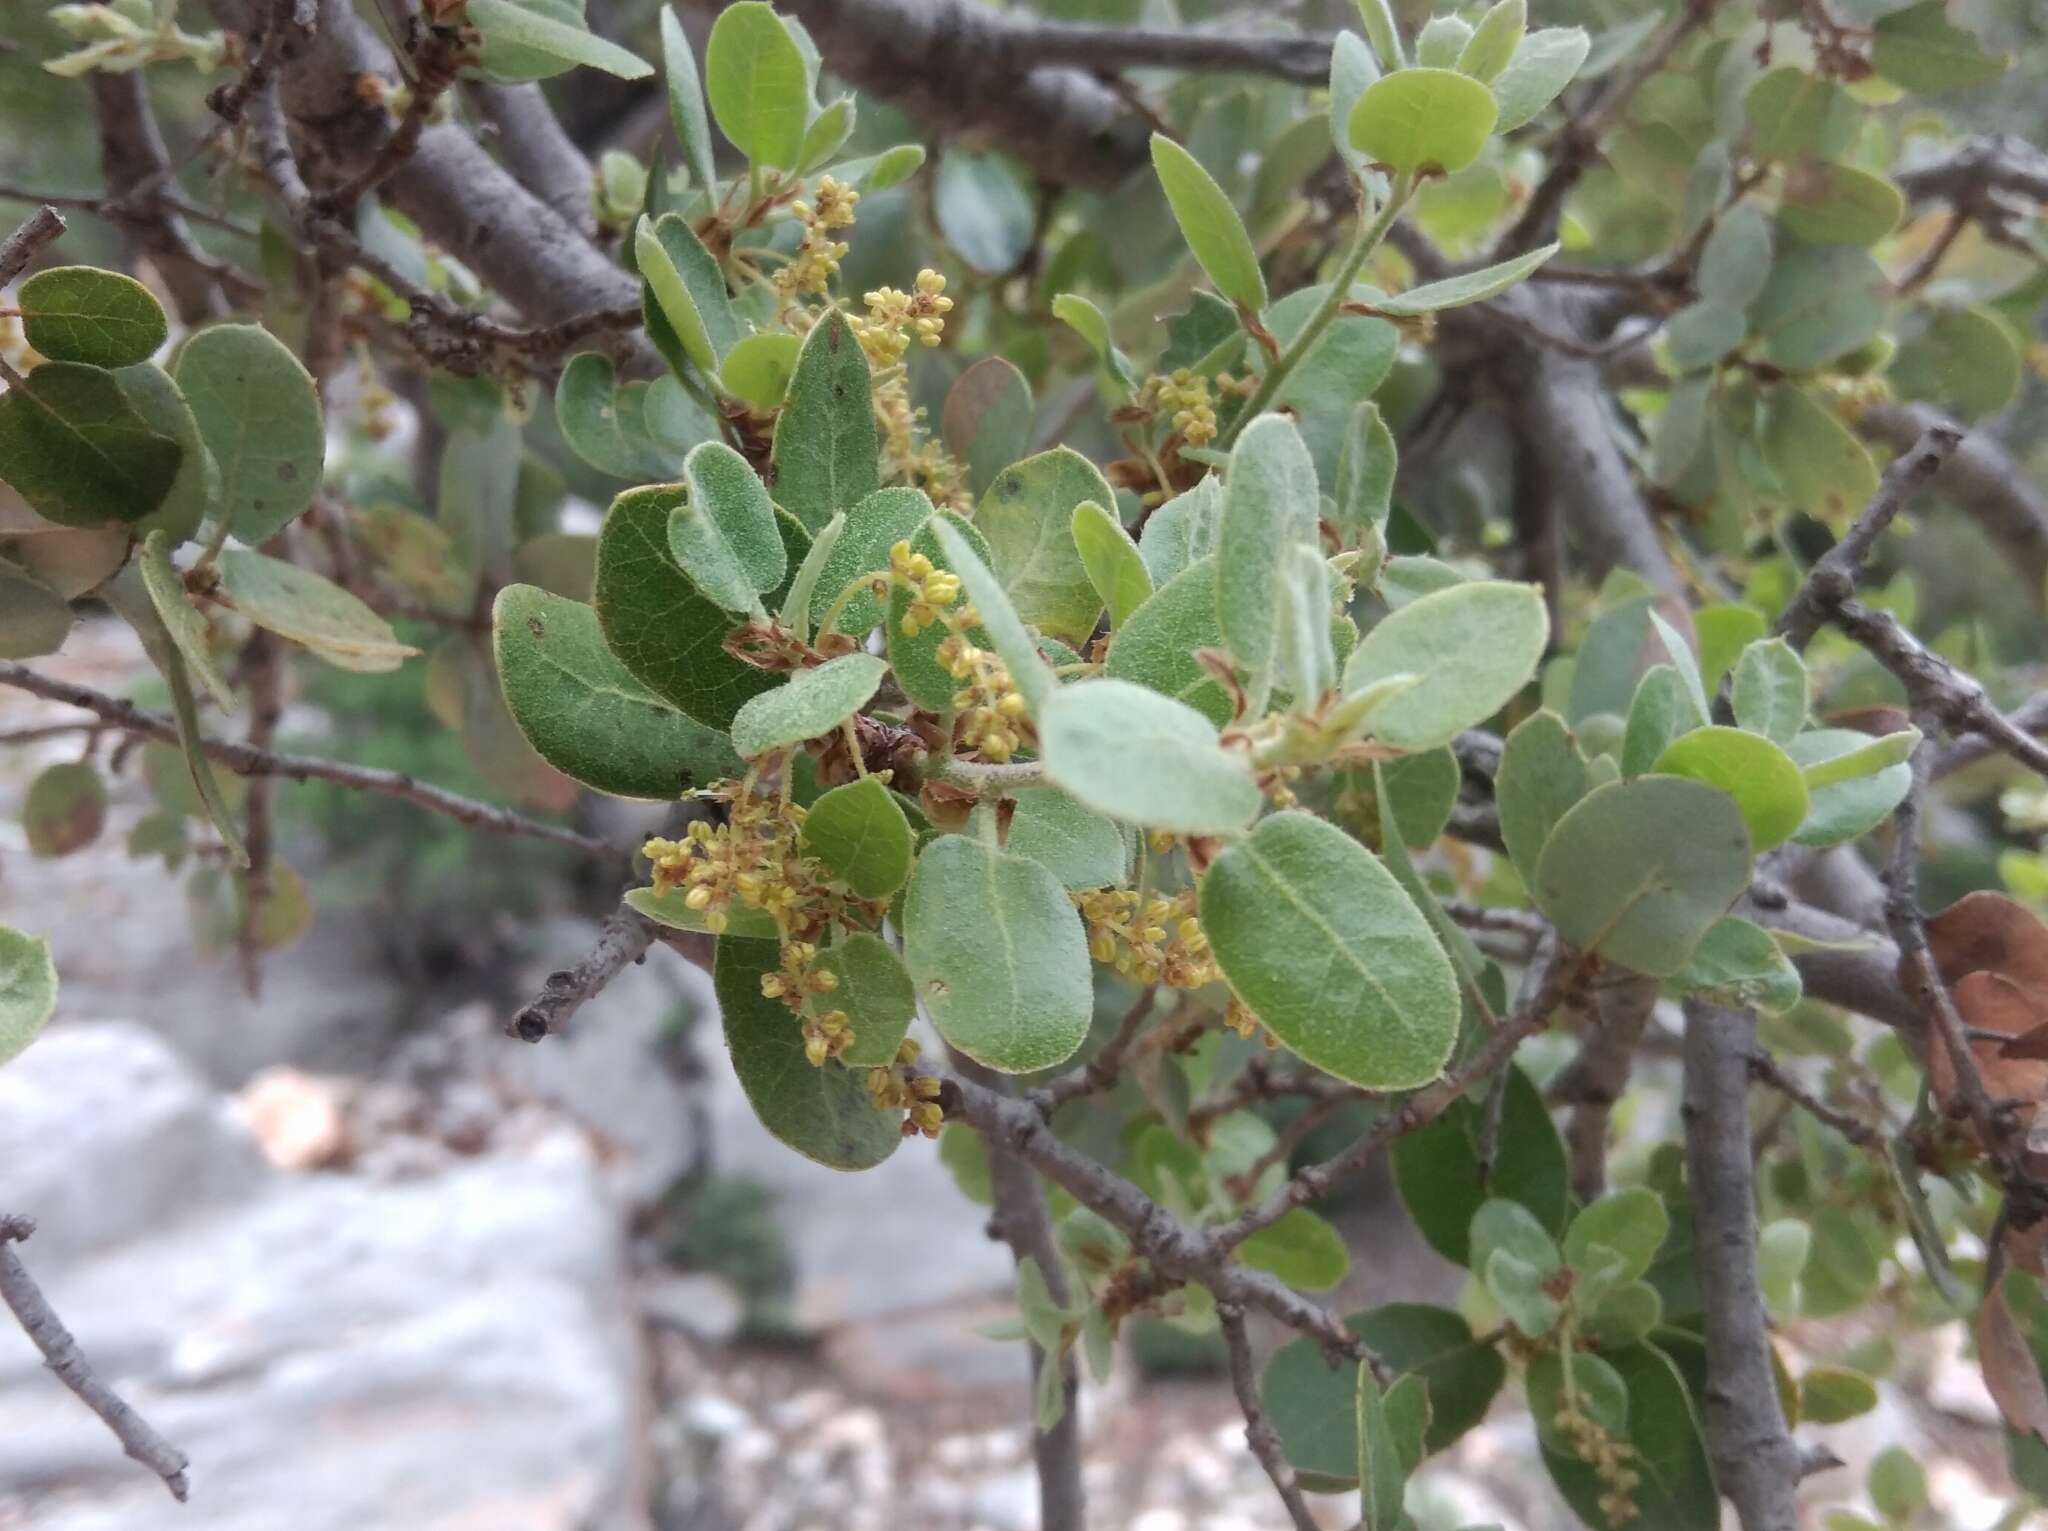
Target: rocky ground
386,1278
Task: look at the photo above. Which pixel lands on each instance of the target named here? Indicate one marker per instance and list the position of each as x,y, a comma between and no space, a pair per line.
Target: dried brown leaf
2010,1370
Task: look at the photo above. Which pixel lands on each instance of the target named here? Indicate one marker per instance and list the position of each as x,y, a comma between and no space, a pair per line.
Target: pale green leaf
1115,567
84,314
1027,516
1209,224
758,85
1469,287
1144,758
826,452
861,835
1474,645
811,703
1542,67
28,989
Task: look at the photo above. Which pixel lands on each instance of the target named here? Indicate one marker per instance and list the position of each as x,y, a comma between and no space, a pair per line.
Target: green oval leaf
998,955
1082,849
826,451
259,413
1209,224
1027,515
585,713
758,369
1630,1223
880,521
824,1113
1738,963
74,446
300,605
28,989
1121,580
687,288
810,703
34,620
1762,779
1317,938
1417,119
1270,504
1640,870
1770,691
1470,287
1542,66
1839,812
1301,1249
1838,204
759,89
875,991
860,833
1144,758
64,809
80,313
686,102
604,424
1677,1487
724,534
185,623
1475,645
523,32
1438,1173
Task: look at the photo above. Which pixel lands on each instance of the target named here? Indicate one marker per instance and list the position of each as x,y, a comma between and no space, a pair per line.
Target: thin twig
438,56
42,227
60,1351
1834,575
1937,688
246,761
1259,1433
1101,1071
1593,1082
621,942
1765,1070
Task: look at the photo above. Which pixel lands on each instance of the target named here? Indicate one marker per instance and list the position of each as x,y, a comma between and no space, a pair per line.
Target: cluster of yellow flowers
932,589
817,259
1153,940
755,859
1183,396
1238,1016
798,982
912,455
992,717
896,317
895,1088
1608,1457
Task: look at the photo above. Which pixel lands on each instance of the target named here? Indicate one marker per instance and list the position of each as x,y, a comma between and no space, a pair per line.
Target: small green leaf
1470,287
1118,377
74,446
1735,262
300,605
1866,760
1352,71
687,289
1629,1223
1182,531
1826,203
1762,779
1474,645
986,423
874,990
892,167
1501,1225
760,90
1920,49
659,625
80,313
1416,119
64,809
1538,73
34,620
1144,758
182,620
1321,943
28,989
811,703
1541,776
1364,489
1114,566
260,415
1383,32
998,955
1494,40
1438,1174
1640,870
1898,1484
1738,963
604,423
1660,713
1082,849
686,102
1792,113
523,30
1842,811
1270,504
149,389
1829,1395
1381,1476
1441,42
826,135
670,909
824,1113
1824,469
880,521
859,832
1771,691
1027,515
1209,224
1819,303
826,452
1312,1403
585,713
724,534
1301,1249
757,370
